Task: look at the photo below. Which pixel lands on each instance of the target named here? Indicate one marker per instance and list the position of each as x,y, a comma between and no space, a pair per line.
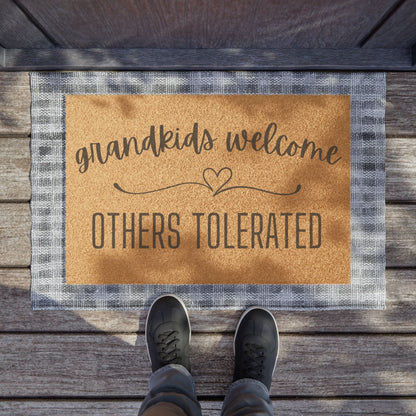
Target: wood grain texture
401,170
398,31
117,366
401,235
17,31
15,235
207,23
400,104
209,59
14,169
304,407
15,166
14,104
399,316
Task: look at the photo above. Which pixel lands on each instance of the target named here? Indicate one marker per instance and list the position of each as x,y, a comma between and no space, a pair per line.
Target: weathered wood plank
14,104
117,366
14,169
15,235
17,31
401,104
321,407
399,316
401,236
352,59
401,170
398,31
207,23
15,166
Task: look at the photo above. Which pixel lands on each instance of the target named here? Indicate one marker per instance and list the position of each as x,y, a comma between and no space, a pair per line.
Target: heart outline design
208,183
217,175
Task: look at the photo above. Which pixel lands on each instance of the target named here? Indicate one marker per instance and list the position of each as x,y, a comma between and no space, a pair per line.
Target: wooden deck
95,363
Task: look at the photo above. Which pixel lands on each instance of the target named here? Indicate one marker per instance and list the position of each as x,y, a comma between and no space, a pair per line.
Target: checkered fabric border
367,92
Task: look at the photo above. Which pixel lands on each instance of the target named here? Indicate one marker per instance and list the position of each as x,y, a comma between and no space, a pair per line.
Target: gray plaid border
367,92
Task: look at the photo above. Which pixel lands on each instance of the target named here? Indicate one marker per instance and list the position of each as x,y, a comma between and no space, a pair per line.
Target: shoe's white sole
148,314
274,320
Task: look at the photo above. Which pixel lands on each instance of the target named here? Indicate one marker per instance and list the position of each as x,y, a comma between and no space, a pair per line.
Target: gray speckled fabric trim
367,92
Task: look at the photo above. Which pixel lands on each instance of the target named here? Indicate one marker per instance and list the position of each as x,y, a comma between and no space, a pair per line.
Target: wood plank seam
292,407
386,16
204,332
34,21
206,398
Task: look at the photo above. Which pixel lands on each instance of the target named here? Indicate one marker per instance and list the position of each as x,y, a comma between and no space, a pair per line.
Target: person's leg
256,345
165,409
171,390
168,333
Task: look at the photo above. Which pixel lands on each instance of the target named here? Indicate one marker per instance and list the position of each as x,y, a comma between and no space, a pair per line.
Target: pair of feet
256,341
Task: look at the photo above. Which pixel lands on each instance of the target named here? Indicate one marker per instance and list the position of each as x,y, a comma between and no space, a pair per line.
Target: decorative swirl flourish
214,181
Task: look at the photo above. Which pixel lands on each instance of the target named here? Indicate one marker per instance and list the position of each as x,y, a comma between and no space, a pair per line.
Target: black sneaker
256,345
168,332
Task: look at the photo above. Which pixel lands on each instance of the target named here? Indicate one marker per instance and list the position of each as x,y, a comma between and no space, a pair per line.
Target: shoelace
254,361
167,348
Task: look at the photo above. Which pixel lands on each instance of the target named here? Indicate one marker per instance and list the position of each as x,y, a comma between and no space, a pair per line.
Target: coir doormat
228,188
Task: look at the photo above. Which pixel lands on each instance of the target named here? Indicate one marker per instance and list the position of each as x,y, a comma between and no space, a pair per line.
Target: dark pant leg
172,393
164,409
247,397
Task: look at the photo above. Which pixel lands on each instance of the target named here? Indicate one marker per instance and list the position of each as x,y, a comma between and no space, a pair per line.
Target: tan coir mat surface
200,189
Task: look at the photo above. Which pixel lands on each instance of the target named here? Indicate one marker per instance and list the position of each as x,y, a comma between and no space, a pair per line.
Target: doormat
207,189
229,189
